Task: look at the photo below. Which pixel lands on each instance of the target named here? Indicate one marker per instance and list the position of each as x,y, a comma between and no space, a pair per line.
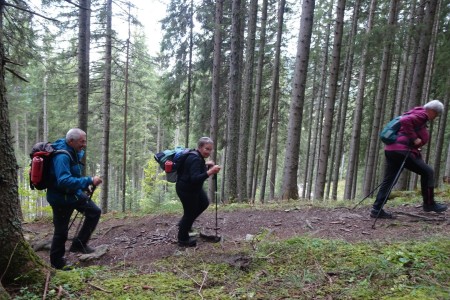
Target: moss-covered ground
298,268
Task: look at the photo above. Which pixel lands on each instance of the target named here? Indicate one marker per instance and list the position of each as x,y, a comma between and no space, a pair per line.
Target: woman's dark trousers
194,203
394,160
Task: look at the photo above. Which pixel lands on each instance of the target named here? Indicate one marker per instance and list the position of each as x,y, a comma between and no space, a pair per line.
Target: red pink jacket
413,126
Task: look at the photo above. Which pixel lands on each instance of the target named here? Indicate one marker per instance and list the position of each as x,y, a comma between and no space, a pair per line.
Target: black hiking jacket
192,174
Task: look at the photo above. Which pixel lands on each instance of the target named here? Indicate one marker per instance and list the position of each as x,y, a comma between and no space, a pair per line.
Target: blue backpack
171,160
389,133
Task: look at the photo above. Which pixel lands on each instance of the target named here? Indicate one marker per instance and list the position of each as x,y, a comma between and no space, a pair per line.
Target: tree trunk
404,81
44,110
247,90
317,104
357,118
380,100
326,46
290,189
447,165
308,162
273,97
189,75
330,101
215,90
274,154
125,116
232,142
25,138
422,57
439,145
106,109
84,37
19,264
251,173
431,56
348,70
315,141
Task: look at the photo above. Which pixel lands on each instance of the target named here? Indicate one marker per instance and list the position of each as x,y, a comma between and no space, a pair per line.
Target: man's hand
96,180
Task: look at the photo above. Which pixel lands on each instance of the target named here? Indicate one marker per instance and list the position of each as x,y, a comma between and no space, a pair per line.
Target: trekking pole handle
91,192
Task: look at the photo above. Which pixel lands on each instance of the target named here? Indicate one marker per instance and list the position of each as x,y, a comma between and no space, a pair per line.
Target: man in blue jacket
68,192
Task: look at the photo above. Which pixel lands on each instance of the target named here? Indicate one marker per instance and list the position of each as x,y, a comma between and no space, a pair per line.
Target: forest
312,85
293,93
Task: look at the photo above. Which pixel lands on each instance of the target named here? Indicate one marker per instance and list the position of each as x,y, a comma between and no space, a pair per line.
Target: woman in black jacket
189,186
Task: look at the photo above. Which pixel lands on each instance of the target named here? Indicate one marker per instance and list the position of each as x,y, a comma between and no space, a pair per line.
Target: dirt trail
140,241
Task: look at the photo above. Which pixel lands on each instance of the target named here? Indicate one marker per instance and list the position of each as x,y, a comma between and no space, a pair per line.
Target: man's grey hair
74,134
435,105
203,141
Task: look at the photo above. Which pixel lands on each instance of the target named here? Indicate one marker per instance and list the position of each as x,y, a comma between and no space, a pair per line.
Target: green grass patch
302,268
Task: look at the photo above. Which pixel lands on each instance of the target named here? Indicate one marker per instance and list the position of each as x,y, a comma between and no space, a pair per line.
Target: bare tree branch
79,6
16,74
29,11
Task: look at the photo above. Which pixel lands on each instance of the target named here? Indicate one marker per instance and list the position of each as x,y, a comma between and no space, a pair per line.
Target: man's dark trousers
61,219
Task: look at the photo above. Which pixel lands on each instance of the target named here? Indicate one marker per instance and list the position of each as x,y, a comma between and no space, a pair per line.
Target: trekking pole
215,199
82,215
368,195
73,220
213,238
392,186
79,225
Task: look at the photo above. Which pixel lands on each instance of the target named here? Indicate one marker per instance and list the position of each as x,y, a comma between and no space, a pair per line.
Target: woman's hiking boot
381,214
191,242
428,201
436,207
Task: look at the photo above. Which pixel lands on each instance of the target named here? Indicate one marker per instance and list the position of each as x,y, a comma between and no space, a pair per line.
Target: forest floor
139,241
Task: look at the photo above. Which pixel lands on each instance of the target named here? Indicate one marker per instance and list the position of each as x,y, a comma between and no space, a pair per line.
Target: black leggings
194,203
394,160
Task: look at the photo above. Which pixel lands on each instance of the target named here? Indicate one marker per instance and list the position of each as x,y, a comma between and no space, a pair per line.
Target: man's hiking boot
191,242
62,264
436,207
381,214
79,247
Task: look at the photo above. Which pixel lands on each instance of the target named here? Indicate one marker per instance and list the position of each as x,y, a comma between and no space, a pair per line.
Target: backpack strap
183,158
72,161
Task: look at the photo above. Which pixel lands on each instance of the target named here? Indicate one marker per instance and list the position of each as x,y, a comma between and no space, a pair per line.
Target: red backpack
41,157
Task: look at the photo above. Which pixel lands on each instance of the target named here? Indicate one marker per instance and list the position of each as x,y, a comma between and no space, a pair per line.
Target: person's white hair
203,141
435,105
74,134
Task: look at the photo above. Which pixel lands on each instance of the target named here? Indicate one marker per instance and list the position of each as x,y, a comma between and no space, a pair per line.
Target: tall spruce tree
19,264
290,188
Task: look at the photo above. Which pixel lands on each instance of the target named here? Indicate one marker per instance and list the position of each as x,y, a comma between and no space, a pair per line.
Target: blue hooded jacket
66,173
